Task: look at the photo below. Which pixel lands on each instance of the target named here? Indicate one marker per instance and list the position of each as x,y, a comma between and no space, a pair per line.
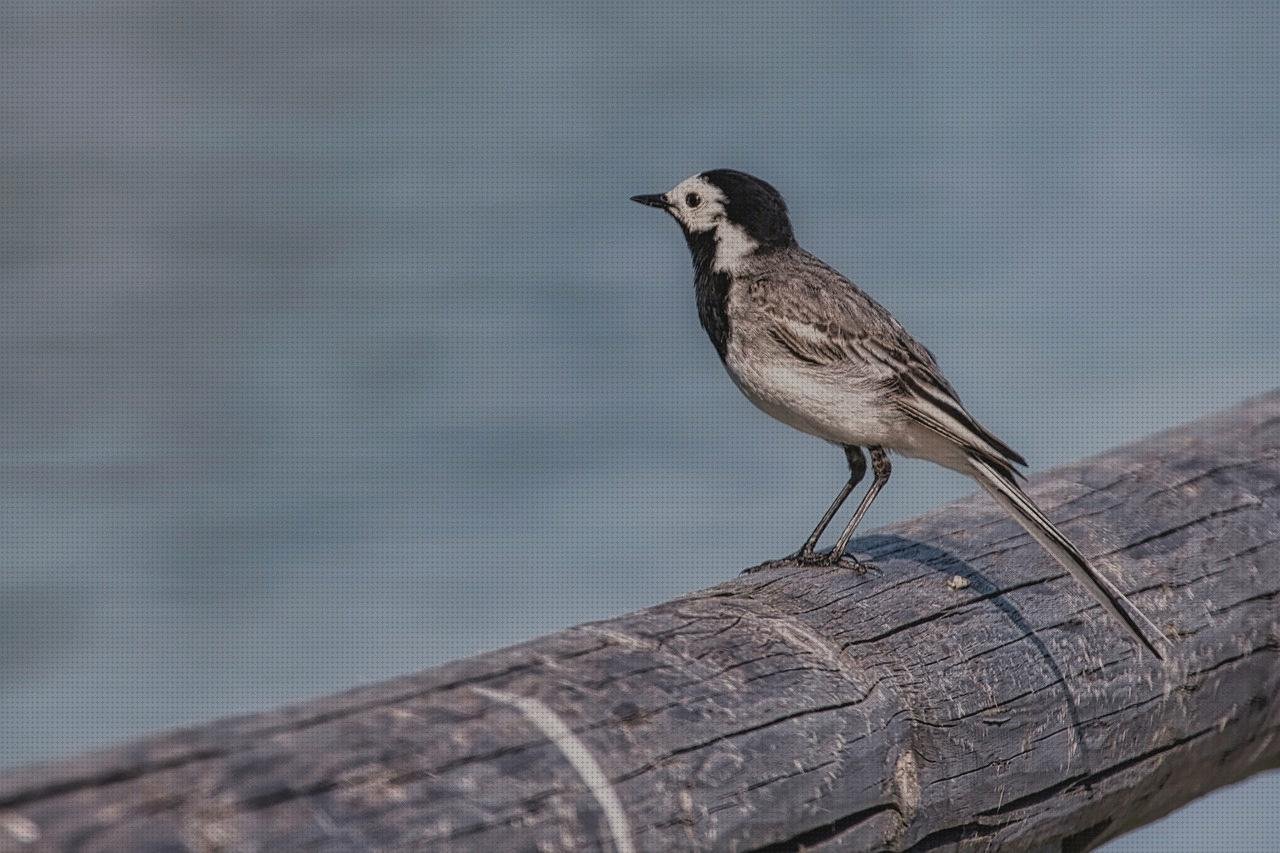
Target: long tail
1021,507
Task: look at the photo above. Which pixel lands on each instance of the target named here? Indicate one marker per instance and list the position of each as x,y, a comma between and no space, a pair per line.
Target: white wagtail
809,348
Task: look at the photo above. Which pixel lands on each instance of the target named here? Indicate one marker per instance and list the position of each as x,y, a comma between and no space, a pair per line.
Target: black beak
651,201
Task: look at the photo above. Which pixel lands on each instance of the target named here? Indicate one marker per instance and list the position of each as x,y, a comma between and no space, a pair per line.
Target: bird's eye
692,200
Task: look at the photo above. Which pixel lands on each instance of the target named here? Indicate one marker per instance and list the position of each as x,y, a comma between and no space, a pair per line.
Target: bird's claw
845,561
810,558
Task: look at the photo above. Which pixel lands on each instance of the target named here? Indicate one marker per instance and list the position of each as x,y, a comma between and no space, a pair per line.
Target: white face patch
700,207
732,247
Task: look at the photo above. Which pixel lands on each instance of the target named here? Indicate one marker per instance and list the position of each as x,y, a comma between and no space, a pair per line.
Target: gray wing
822,318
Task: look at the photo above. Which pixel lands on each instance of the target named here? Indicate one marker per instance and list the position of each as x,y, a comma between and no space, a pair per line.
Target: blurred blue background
333,349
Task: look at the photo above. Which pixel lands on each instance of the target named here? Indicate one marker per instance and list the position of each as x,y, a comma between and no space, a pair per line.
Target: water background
331,349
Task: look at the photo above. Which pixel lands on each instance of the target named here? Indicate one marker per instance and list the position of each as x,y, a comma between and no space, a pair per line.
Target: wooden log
964,694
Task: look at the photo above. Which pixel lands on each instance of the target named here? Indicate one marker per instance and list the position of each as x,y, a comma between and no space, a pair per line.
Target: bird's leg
881,468
857,469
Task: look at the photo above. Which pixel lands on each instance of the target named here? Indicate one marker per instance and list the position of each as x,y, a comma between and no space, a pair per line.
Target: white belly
822,401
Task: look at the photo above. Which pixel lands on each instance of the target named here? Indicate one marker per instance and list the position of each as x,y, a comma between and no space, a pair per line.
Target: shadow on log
964,694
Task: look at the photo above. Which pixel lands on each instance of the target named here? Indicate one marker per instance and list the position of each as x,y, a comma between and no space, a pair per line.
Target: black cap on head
755,205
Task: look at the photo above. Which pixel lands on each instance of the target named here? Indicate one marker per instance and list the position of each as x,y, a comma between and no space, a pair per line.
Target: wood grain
790,708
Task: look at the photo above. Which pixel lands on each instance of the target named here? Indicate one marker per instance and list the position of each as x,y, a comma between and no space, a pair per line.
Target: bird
811,349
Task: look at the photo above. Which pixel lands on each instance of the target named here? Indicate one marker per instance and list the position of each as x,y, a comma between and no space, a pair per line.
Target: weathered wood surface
788,708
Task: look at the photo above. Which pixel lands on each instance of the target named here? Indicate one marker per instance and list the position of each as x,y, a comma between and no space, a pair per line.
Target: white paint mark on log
907,778
578,755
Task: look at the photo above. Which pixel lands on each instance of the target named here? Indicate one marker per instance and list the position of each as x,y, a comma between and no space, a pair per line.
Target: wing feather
824,325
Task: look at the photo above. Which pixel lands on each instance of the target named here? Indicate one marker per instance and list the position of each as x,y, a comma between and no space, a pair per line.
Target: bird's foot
807,558
810,558
829,558
847,562
768,564
799,558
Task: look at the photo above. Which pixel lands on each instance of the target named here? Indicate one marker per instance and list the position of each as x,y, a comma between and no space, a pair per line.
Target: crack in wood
113,776
946,611
1178,528
1234,465
1085,780
721,738
828,832
732,713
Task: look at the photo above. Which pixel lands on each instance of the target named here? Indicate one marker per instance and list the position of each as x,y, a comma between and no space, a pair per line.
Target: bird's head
727,215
